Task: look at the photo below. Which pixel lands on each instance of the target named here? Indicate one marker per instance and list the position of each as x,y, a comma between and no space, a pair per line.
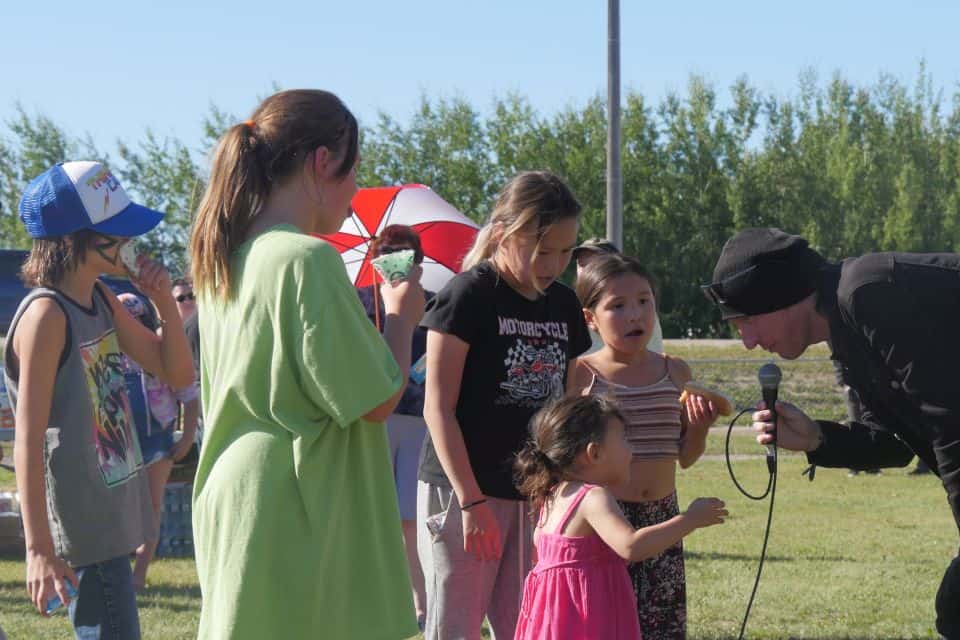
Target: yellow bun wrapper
723,403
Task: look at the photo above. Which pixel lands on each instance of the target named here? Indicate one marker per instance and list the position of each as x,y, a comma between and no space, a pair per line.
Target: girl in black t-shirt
502,334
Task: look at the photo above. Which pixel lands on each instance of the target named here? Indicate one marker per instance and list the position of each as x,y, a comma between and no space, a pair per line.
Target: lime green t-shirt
296,524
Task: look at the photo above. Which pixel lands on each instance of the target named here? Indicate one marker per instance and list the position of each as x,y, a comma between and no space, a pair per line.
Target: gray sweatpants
461,590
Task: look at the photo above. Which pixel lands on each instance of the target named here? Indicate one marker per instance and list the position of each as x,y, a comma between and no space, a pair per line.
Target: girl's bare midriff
649,480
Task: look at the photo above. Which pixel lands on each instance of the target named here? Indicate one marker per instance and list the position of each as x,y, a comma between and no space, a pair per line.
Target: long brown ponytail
250,158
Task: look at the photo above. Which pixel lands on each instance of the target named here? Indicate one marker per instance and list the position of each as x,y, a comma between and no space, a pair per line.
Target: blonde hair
250,158
531,200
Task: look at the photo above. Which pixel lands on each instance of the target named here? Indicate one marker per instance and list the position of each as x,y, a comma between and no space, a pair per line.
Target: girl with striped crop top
618,302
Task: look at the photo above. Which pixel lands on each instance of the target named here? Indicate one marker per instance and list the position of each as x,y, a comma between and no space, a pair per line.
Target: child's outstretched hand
705,512
701,413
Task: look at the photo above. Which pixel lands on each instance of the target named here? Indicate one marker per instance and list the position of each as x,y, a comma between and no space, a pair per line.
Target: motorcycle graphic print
535,373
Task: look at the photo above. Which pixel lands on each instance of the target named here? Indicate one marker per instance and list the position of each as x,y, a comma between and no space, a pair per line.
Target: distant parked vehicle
12,289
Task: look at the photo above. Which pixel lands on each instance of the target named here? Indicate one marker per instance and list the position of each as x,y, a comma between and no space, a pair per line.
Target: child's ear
324,162
593,452
589,319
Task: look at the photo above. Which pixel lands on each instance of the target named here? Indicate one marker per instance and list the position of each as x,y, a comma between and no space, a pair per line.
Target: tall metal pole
614,178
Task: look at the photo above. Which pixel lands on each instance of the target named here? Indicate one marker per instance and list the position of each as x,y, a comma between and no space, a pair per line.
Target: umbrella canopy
446,234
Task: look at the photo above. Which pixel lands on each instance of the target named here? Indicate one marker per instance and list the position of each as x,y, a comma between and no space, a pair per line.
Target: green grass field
848,557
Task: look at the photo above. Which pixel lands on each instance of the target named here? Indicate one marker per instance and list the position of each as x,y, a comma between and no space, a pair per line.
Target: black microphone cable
771,490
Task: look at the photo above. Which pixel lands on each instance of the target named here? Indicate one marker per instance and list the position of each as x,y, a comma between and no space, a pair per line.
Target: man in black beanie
893,323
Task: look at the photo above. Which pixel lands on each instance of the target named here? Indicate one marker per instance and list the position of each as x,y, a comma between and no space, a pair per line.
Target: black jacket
895,330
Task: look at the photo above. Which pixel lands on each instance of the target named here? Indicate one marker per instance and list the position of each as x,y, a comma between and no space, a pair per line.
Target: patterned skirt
659,582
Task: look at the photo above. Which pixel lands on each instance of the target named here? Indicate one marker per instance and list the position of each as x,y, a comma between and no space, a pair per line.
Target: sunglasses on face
184,296
719,292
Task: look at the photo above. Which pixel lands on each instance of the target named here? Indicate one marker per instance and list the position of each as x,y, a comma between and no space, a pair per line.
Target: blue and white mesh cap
71,196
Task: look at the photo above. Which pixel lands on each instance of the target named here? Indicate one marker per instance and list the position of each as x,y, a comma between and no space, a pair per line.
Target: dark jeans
106,606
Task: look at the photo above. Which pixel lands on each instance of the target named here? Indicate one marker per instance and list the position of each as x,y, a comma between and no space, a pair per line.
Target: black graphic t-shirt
519,350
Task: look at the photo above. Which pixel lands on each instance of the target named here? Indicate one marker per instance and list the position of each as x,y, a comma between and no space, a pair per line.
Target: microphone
769,376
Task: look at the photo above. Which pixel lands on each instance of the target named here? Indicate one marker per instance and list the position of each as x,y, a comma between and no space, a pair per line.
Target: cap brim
135,220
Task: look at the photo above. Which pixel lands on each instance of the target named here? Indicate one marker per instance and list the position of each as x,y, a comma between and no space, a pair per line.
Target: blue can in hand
55,602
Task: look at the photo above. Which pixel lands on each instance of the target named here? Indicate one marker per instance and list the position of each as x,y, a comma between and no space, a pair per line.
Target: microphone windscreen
769,376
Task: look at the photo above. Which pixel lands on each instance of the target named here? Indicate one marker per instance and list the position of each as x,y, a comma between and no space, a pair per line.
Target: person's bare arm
446,356
167,356
603,514
696,416
191,415
579,378
403,302
38,343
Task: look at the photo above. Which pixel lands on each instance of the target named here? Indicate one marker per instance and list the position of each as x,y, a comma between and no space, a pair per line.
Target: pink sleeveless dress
579,589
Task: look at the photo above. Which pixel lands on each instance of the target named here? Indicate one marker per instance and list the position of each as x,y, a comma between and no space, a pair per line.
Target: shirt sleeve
580,338
455,309
346,367
859,446
187,393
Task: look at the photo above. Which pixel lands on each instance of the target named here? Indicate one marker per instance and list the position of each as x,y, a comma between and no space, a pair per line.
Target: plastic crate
176,525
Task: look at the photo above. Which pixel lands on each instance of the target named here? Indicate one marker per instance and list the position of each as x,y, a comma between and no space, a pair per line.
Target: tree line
853,169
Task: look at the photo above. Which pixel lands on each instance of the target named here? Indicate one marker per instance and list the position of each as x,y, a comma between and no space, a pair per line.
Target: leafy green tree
37,144
852,168
443,147
162,175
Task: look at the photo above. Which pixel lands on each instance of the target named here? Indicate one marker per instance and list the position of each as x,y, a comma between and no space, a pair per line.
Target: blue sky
112,68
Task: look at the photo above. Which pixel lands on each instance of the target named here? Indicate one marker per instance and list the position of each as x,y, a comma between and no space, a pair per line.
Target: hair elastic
470,505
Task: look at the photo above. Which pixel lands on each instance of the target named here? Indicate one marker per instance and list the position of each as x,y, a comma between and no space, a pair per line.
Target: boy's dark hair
597,273
558,433
398,234
183,281
51,259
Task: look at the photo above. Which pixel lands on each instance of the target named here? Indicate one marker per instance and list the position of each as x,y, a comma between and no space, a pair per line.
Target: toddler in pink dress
580,588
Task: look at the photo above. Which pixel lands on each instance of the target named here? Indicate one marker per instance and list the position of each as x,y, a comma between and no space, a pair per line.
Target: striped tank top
652,414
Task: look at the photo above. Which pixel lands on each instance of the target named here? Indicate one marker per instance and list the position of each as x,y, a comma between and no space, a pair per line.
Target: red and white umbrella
445,233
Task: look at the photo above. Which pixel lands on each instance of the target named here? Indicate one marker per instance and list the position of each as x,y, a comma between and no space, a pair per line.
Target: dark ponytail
535,474
558,433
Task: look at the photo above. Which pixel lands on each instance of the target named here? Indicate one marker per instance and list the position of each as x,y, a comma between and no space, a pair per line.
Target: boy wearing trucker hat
891,321
84,496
